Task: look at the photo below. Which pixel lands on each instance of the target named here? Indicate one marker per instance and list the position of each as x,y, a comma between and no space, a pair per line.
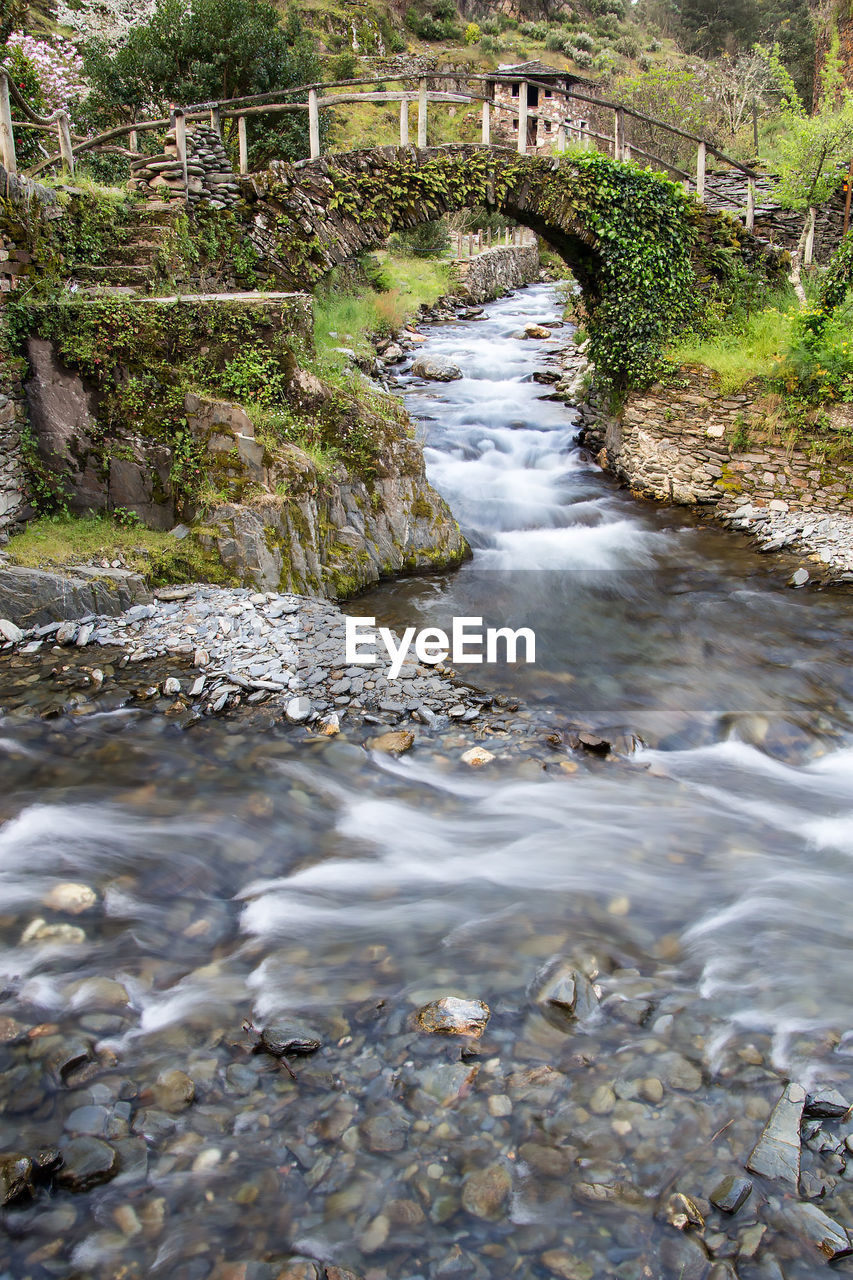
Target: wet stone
815,1226
558,1262
387,1132
174,1090
684,1257
731,1193
288,1040
89,1120
485,1193
453,1016
826,1104
776,1155
563,991
87,1162
16,1177
72,898
394,743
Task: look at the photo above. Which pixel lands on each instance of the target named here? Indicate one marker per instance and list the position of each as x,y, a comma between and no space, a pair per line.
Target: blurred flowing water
705,882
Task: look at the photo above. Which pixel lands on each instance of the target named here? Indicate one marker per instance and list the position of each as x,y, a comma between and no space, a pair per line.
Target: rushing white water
705,881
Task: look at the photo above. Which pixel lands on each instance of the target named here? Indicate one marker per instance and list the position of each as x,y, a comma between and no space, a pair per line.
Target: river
702,883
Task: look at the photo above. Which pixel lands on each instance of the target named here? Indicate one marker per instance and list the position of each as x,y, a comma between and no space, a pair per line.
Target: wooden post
561,136
619,134
506,235
626,153
487,125
242,144
847,198
490,237
700,172
422,113
585,139
313,123
808,252
479,242
750,204
7,137
214,119
522,118
64,129
470,244
181,144
133,140
404,123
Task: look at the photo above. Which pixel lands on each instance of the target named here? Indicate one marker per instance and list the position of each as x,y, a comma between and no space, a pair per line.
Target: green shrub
818,364
627,46
583,40
472,33
534,30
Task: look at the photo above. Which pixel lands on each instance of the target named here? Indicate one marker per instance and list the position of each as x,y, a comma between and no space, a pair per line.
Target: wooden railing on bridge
574,129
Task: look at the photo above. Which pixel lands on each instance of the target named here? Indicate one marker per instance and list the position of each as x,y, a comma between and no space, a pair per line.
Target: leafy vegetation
349,316
198,50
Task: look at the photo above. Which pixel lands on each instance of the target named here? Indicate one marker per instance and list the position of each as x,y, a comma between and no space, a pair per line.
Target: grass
57,542
744,351
348,319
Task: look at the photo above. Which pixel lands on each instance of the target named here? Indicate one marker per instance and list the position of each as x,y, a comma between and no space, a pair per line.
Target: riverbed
697,888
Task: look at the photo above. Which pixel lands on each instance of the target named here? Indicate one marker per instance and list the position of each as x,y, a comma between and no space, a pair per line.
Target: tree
812,149
677,95
738,82
202,50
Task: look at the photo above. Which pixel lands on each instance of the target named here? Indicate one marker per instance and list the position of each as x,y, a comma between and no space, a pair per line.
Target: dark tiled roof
534,69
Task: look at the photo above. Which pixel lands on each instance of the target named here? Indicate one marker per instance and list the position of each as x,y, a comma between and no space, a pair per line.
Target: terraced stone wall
690,444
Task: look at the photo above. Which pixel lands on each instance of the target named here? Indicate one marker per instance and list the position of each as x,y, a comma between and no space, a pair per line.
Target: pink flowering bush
57,67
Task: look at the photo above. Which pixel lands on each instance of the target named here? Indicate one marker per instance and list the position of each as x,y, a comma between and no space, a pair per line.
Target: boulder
436,369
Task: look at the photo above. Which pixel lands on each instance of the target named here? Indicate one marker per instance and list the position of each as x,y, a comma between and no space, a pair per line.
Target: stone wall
489,274
15,264
14,494
726,192
692,445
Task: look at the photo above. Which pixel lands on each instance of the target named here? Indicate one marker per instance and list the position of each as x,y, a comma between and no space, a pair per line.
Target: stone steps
136,252
117,274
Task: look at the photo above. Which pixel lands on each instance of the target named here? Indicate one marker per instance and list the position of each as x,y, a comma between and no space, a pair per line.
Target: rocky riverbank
198,651
659,459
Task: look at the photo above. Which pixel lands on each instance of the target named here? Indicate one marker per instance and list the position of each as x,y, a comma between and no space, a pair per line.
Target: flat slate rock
776,1154
815,1226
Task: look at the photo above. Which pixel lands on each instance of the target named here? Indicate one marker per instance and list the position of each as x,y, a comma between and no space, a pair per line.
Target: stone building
547,108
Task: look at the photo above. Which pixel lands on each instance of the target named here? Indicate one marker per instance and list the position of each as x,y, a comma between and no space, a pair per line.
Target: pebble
452,1016
174,1090
87,1162
485,1193
394,743
476,757
9,631
298,710
70,897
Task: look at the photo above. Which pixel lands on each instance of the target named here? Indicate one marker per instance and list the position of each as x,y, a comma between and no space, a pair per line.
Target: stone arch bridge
639,247
309,217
